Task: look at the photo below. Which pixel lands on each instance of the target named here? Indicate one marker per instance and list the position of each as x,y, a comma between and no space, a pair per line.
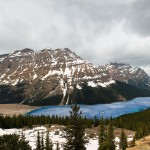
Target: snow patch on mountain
105,84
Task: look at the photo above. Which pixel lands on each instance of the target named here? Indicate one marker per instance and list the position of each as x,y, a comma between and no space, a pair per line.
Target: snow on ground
56,135
92,144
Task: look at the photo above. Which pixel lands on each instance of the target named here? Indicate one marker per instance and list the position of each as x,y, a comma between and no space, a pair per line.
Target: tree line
8,122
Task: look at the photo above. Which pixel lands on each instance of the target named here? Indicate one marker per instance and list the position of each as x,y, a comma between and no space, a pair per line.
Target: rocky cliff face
57,75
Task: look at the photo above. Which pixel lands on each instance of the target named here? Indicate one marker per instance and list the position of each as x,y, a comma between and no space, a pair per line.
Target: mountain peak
25,50
119,64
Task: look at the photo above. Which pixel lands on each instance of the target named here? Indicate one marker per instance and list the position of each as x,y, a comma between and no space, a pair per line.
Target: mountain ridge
58,74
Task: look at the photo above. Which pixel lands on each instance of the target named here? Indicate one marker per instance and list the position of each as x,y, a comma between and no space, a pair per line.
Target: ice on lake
90,111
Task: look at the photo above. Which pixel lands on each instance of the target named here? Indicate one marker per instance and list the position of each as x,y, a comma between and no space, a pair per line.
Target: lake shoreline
114,110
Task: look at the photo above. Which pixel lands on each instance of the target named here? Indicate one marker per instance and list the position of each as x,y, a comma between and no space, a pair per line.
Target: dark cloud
100,31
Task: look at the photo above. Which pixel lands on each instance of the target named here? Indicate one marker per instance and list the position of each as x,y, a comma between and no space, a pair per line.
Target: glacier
91,111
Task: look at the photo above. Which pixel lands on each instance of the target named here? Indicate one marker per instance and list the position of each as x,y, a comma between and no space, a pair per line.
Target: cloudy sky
101,31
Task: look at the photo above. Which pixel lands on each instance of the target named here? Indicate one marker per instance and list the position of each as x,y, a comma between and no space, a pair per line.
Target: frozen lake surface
90,111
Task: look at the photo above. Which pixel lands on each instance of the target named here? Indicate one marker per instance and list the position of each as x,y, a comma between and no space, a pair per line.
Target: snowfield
55,135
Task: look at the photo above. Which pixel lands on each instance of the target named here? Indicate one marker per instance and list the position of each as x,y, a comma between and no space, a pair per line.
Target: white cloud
100,31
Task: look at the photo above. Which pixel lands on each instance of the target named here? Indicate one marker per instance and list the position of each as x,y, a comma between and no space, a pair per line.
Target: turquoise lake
90,111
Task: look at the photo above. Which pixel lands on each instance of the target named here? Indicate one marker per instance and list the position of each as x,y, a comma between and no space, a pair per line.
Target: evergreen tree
51,145
96,122
57,146
12,142
22,136
106,139
102,135
132,142
104,145
75,131
24,145
48,143
42,142
110,136
136,135
123,141
38,142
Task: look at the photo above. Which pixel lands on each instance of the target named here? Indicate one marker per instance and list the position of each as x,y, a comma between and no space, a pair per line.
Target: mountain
125,73
59,76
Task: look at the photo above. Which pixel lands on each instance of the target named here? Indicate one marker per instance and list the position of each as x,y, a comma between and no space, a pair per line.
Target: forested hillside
139,122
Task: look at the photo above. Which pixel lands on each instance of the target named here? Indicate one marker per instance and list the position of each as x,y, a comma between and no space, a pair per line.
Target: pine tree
96,121
57,146
12,142
104,145
110,136
42,142
75,131
48,143
132,142
51,145
123,141
106,139
24,145
38,143
136,135
102,134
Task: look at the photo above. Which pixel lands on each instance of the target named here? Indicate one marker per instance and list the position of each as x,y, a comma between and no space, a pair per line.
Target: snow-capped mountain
57,75
28,66
125,73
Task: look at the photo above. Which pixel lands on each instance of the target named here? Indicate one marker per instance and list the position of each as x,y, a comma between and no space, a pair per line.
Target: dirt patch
15,109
